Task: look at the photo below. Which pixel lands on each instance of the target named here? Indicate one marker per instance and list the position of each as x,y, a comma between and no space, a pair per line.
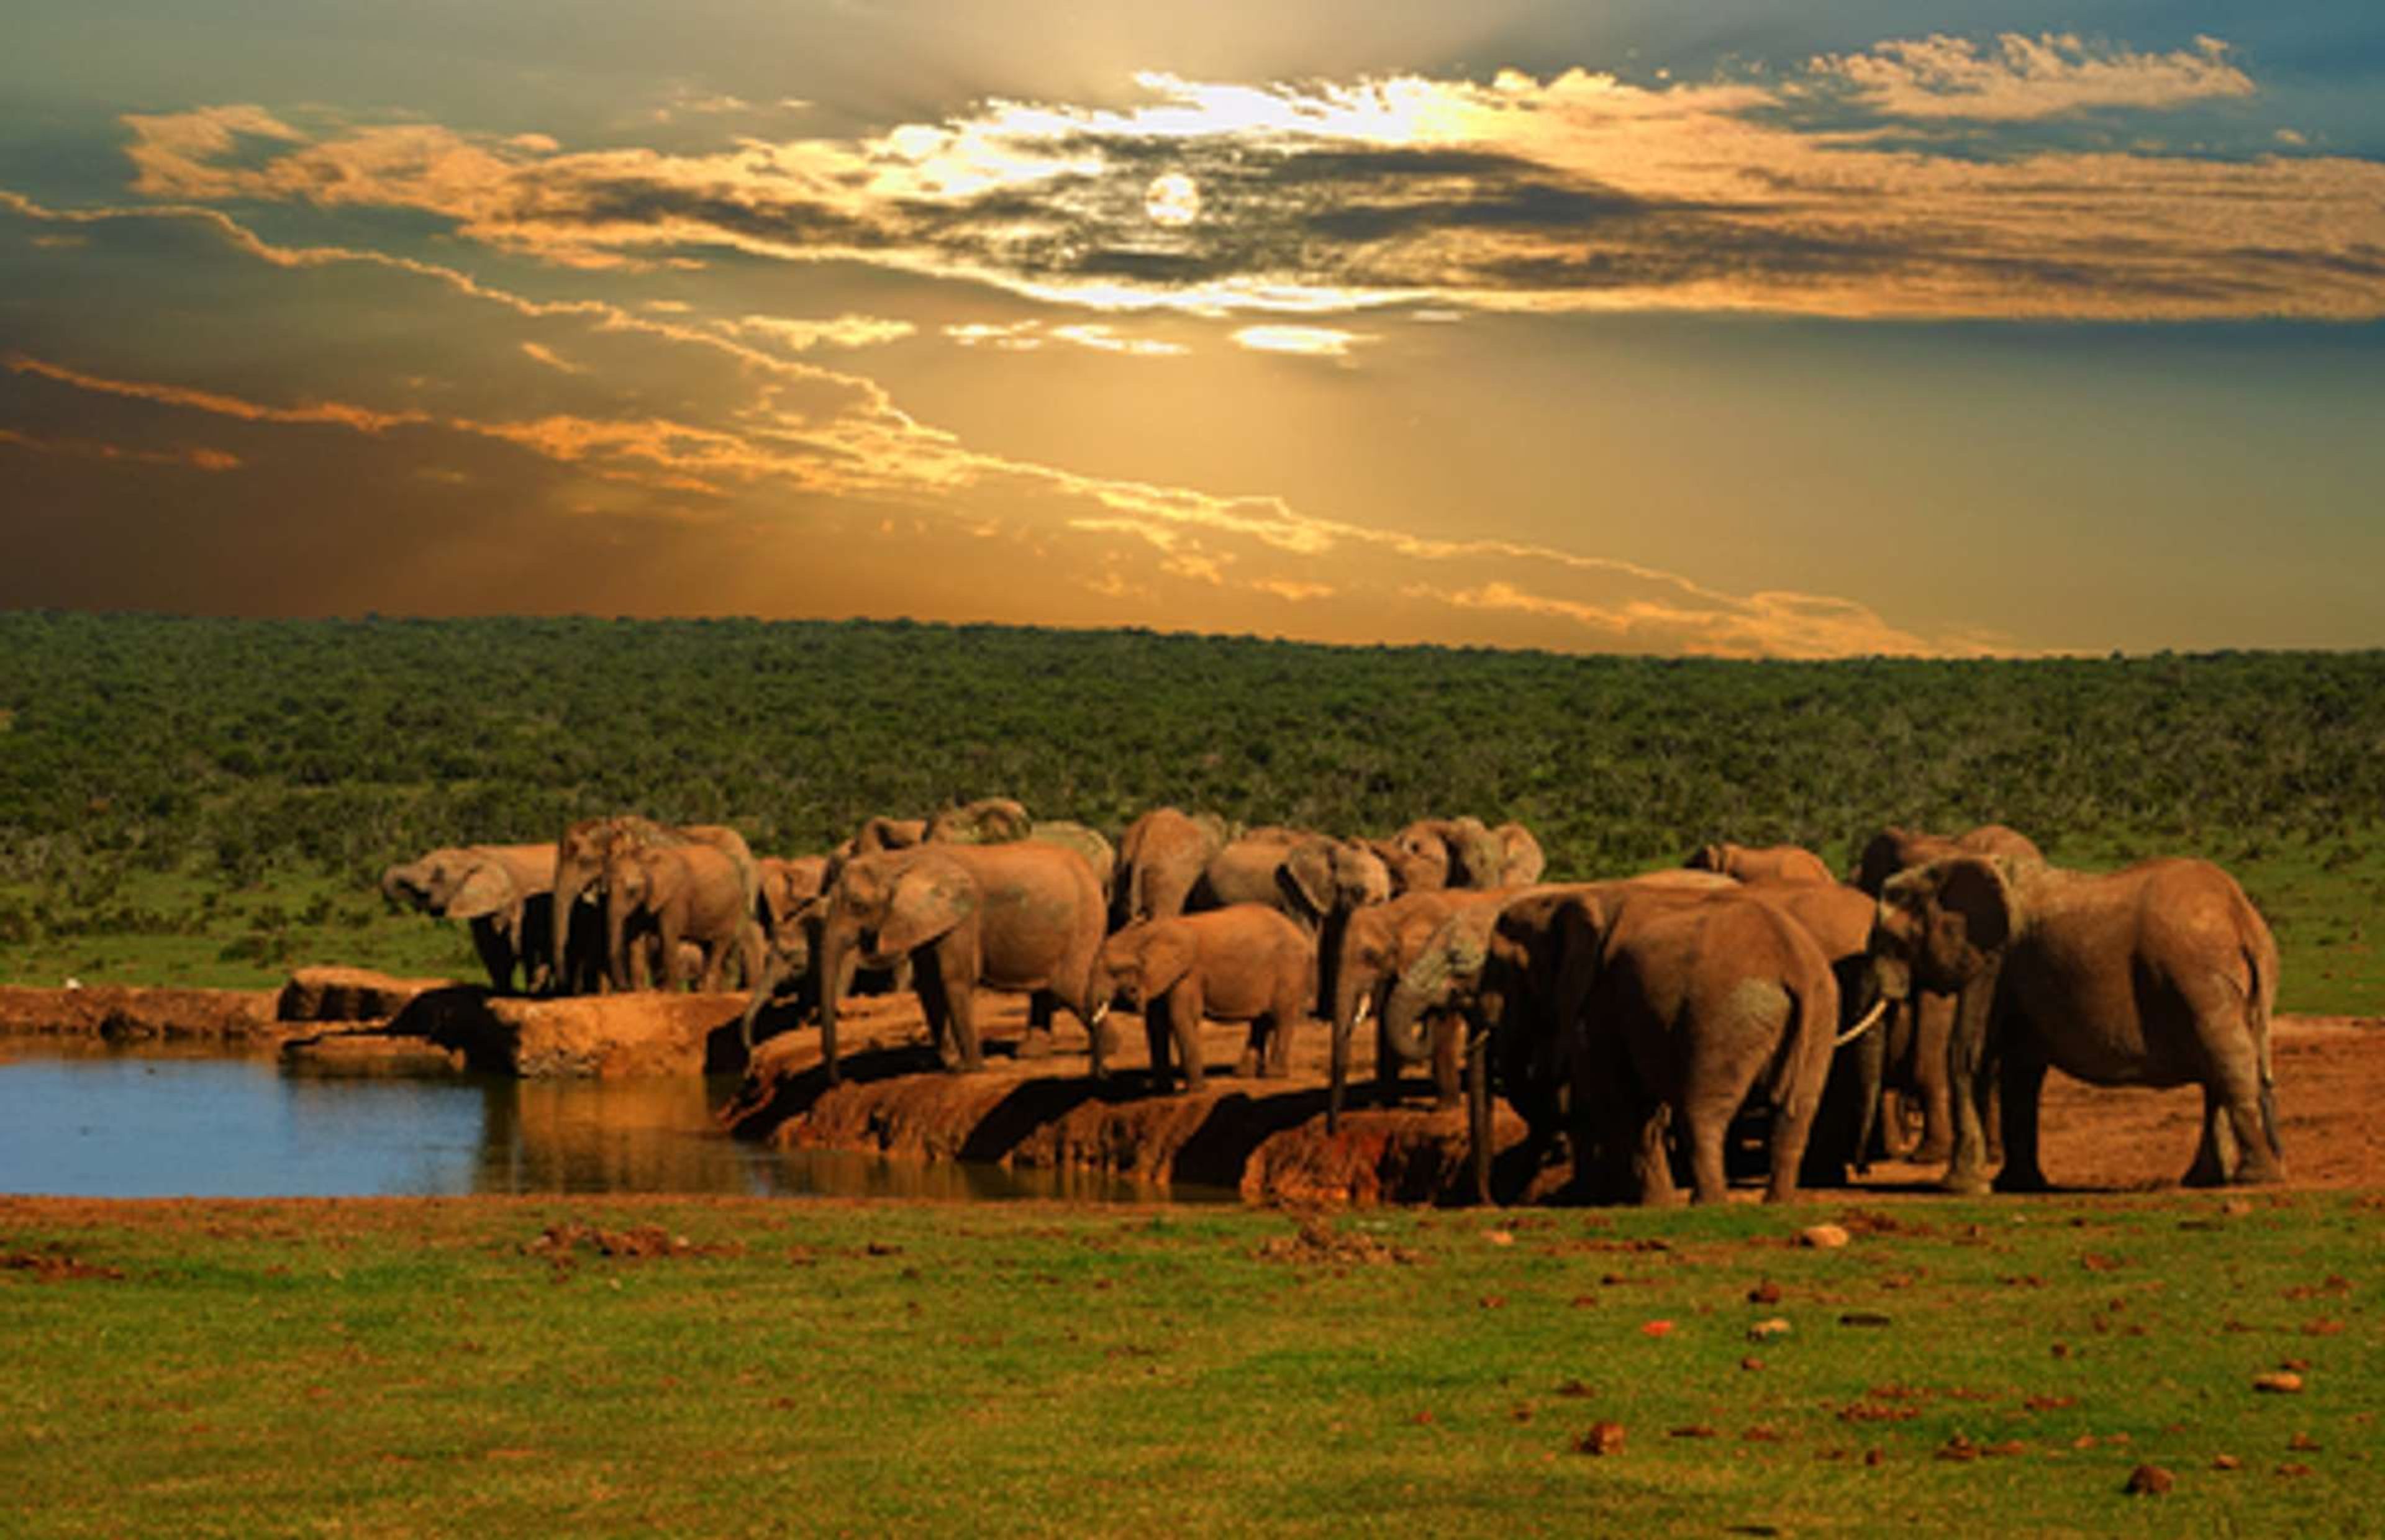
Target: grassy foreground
604,1366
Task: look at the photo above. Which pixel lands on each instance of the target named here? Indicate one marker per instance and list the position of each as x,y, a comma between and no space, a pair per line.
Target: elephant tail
1803,1024
2260,1012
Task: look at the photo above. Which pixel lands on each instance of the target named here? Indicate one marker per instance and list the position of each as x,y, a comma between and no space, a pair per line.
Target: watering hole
85,1120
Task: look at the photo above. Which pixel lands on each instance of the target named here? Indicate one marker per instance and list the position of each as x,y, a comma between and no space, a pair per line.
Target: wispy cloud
843,331
1315,341
2020,78
1577,192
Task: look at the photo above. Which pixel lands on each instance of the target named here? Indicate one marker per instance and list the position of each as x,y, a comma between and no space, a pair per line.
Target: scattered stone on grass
1823,1237
2279,1382
2302,1442
1317,1244
2293,1468
2149,1481
1774,1326
1603,1439
1766,1293
2226,1462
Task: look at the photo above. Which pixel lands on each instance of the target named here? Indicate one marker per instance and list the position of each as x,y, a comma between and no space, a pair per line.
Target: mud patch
55,1267
1316,1243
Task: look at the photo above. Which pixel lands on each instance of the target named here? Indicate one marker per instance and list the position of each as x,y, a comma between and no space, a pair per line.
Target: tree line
240,748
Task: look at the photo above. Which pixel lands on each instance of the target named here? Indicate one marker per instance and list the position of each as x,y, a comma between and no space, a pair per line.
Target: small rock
1501,1238
1575,1389
1656,1328
1693,1430
1751,1363
1873,1457
1823,1237
2279,1382
2150,1481
2293,1468
1422,1419
1765,1293
2302,1441
2226,1462
1775,1326
1603,1439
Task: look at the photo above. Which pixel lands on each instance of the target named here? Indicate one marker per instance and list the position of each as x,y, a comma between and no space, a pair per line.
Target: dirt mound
123,1014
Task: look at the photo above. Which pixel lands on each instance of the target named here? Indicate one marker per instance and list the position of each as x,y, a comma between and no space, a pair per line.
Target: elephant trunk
396,886
1353,998
568,884
837,961
1478,1112
1404,1037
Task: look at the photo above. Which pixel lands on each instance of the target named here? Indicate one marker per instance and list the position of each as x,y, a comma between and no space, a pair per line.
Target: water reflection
84,1121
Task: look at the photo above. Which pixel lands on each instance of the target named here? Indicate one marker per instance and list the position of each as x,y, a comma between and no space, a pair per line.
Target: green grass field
434,1368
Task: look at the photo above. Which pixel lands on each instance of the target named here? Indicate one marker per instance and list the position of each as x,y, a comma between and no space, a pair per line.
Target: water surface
85,1120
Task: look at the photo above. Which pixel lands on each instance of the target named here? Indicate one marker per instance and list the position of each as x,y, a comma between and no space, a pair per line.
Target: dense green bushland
618,1366
147,762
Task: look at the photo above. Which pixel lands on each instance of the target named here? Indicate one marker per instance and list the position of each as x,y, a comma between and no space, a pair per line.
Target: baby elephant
1245,962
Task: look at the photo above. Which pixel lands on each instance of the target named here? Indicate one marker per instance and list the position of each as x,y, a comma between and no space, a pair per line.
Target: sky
1731,328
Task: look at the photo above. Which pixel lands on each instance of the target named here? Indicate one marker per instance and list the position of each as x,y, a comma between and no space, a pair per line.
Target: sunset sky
1727,327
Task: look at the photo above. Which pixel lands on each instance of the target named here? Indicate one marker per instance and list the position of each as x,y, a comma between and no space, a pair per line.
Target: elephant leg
1966,1088
2216,1149
1038,1042
1155,1032
496,954
1652,1160
1933,1024
2021,1079
1290,1006
1184,1004
954,959
1387,1065
1447,1047
936,1005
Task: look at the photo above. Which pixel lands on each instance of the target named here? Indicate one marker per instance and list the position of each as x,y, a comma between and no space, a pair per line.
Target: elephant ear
1475,849
1522,858
1167,954
1972,890
928,900
1706,858
1306,876
485,890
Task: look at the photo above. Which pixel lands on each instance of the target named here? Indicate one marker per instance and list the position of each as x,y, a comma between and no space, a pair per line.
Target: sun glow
1173,200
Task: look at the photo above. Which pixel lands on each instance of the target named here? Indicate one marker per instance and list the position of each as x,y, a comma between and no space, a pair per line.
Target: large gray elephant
1839,918
1620,1009
501,892
1160,858
1315,880
1247,962
677,894
1021,915
1915,1039
1378,944
2161,974
579,860
1760,863
1454,853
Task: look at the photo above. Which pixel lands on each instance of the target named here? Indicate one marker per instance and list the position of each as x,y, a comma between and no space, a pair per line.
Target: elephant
1378,943
885,834
500,890
1839,918
784,887
2161,974
987,820
1522,860
1086,842
1576,989
677,894
579,863
1500,968
1452,852
1160,858
1245,962
1315,879
1679,1009
1918,1029
1021,915
1761,863
1892,849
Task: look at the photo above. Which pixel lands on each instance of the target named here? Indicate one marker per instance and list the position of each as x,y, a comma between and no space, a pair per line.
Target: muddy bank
349,1019
1041,1112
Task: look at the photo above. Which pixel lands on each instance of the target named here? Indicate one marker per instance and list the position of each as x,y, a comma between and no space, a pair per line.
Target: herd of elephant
1631,1022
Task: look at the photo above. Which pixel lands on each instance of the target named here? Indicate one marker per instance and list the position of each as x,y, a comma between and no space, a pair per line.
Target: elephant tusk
1366,1008
1872,1019
1101,1014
